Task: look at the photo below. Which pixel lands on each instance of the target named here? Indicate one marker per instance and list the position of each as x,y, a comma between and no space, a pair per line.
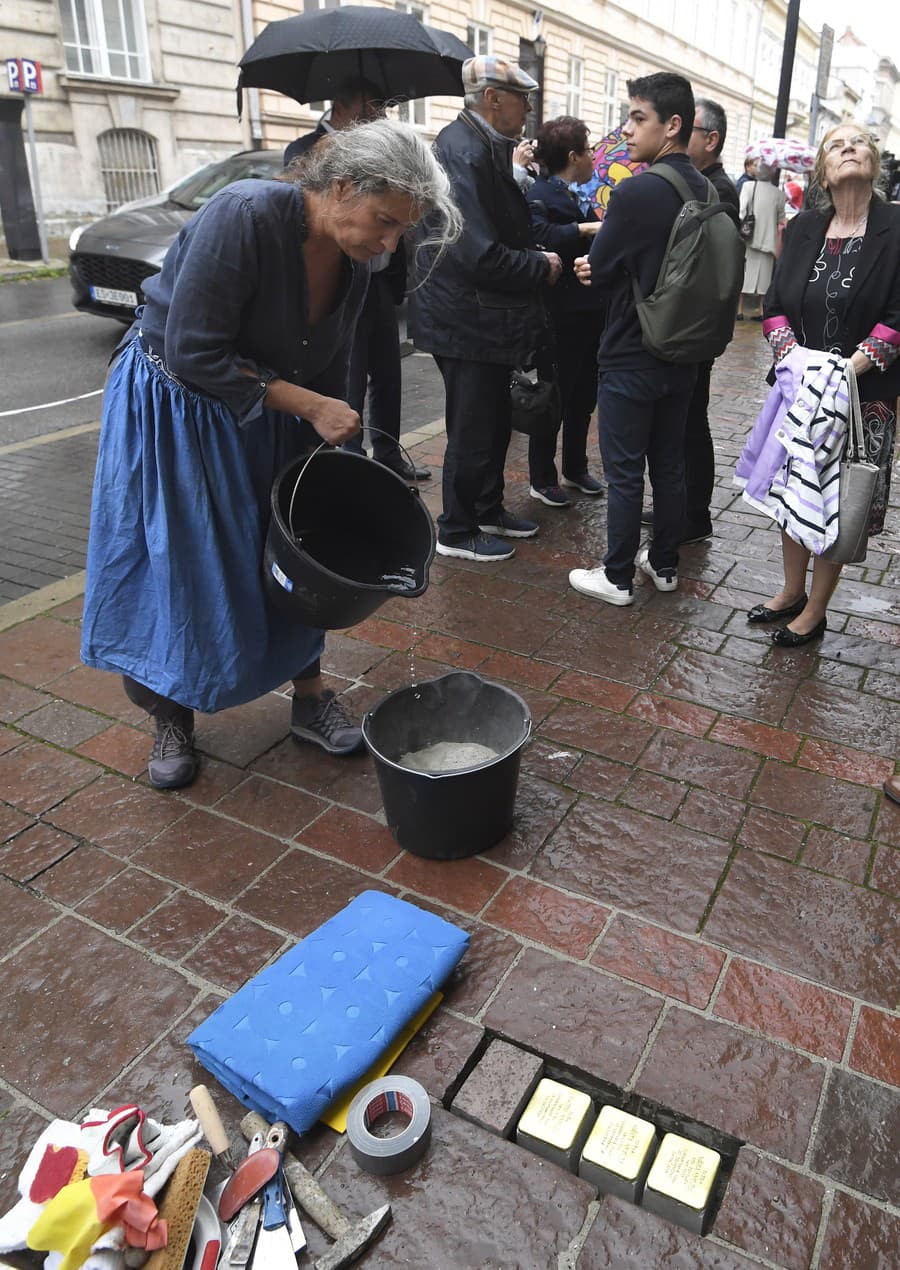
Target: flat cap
495,72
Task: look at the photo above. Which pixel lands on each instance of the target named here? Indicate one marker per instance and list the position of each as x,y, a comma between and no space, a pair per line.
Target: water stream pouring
346,533
445,815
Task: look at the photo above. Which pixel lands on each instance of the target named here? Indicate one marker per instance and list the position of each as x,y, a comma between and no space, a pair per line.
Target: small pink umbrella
783,152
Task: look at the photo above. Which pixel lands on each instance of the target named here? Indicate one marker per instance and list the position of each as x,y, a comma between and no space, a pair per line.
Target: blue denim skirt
174,596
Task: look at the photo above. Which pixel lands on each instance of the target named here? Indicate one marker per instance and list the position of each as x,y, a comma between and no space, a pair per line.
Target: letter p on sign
24,75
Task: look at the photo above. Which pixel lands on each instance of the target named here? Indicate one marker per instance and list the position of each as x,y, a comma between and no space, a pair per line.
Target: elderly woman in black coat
576,312
837,288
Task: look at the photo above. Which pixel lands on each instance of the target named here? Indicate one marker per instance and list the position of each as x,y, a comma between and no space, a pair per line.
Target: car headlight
75,235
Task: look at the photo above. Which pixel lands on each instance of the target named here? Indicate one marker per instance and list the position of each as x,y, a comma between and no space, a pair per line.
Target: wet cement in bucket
447,756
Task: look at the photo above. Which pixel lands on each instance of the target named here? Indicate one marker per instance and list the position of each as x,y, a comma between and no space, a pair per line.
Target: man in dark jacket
704,150
479,310
375,361
643,401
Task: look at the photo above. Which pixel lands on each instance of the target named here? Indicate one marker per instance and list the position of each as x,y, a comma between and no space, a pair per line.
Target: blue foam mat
314,1022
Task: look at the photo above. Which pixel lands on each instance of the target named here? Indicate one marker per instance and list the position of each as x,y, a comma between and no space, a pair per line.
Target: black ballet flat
784,637
759,613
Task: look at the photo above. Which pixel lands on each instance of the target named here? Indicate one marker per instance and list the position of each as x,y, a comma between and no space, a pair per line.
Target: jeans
375,369
642,419
577,336
477,413
699,456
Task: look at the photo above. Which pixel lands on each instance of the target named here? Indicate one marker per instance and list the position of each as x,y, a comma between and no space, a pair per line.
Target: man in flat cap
479,310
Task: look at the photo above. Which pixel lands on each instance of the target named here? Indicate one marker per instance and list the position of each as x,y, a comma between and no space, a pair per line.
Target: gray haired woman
236,365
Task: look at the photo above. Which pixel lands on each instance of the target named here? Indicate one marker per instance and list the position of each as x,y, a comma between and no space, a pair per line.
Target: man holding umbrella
479,311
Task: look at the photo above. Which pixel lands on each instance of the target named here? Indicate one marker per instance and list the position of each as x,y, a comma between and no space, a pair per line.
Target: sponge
179,1209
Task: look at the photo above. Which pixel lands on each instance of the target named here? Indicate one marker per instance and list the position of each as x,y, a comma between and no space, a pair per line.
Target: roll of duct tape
399,1151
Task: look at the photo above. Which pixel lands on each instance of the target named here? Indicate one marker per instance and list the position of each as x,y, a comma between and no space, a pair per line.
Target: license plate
107,295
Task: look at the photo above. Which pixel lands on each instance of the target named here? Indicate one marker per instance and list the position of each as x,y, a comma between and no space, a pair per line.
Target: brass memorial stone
555,1123
680,1183
618,1153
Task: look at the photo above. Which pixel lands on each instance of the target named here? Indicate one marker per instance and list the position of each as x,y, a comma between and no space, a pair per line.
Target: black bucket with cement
346,534
445,815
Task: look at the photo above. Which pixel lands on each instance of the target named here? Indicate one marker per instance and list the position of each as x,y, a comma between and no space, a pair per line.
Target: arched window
128,164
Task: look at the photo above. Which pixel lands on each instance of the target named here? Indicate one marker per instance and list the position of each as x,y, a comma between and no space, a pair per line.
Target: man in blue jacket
642,401
479,310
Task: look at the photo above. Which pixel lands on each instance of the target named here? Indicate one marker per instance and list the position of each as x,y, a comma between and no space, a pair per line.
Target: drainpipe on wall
251,95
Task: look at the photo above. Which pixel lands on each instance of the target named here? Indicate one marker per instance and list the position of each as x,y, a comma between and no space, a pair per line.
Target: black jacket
299,147
632,244
555,217
482,300
725,187
875,293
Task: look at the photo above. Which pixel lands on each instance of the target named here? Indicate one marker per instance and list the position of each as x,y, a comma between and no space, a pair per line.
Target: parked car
110,258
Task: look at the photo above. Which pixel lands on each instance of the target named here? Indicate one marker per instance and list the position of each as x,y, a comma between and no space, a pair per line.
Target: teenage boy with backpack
643,400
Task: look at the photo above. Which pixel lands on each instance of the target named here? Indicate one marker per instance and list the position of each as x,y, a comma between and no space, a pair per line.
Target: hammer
351,1239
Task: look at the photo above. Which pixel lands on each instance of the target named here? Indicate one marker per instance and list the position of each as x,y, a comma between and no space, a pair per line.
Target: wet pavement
698,902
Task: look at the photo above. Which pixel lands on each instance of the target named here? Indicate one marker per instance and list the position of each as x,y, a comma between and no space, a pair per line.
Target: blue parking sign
24,75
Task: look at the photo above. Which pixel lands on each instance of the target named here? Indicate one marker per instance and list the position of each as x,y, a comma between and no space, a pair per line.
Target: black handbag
536,405
748,220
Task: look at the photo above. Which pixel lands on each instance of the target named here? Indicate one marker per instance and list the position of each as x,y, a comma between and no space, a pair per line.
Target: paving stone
876,1046
271,807
34,776
543,759
122,748
16,700
653,794
540,808
858,1139
73,974
519,670
234,953
575,1014
455,652
593,690
666,712
826,930
98,690
711,813
23,915
12,822
125,899
887,826
721,768
600,777
499,1205
758,737
617,656
176,928
681,968
302,891
349,836
243,733
846,764
349,656
625,1237
487,959
212,782
63,724
77,875
547,916
847,717
495,1092
350,781
822,799
761,1092
788,1009
859,1237
35,652
466,884
886,870
771,832
209,854
116,814
835,853
586,728
771,1211
723,684
624,858
439,1051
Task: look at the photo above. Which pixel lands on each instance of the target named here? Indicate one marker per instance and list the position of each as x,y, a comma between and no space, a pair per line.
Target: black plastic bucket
346,533
448,815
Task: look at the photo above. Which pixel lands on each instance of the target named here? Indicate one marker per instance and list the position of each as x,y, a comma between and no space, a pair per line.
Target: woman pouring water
238,364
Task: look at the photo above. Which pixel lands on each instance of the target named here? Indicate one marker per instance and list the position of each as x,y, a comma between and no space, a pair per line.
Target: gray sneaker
173,763
324,721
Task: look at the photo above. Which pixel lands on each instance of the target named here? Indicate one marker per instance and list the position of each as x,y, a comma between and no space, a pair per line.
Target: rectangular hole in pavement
665,1118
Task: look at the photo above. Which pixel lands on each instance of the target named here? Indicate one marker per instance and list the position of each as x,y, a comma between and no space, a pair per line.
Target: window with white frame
478,38
609,106
414,112
107,38
575,87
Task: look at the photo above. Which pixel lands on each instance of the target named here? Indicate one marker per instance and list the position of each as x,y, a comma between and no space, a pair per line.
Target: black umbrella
309,56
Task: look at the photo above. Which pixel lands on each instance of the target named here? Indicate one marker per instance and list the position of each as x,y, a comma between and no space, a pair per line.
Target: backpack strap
680,185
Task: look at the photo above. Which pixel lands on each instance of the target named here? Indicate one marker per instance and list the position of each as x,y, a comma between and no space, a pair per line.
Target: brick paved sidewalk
698,902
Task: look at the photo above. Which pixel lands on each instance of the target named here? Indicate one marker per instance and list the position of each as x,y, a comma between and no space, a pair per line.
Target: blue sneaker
508,526
476,547
586,483
552,495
